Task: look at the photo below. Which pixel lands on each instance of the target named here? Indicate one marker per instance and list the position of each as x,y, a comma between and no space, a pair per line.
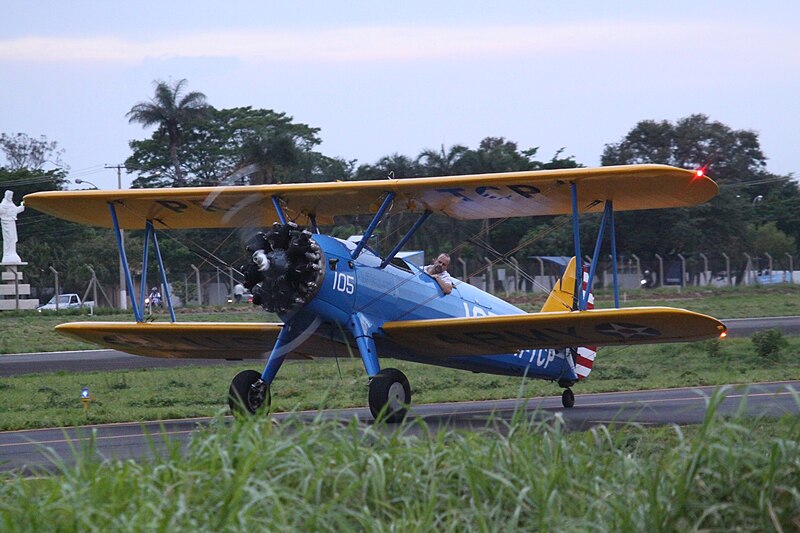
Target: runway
32,451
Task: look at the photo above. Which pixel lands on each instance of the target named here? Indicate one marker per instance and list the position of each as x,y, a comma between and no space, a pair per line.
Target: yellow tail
561,297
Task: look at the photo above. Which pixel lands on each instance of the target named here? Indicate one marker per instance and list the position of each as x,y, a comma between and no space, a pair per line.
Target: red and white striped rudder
584,359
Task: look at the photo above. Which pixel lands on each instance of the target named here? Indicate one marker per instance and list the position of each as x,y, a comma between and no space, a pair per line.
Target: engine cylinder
286,268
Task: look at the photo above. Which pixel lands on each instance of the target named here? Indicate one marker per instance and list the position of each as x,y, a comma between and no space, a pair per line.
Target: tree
733,158
439,162
768,239
254,145
24,152
729,156
170,110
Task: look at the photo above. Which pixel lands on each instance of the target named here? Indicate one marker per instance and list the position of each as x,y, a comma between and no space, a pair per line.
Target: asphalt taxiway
33,451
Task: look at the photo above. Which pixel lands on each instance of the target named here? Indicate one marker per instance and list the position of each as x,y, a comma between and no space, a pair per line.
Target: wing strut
387,202
405,238
277,203
581,296
150,234
137,313
577,302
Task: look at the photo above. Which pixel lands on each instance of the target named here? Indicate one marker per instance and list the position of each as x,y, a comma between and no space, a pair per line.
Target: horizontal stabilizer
489,335
189,340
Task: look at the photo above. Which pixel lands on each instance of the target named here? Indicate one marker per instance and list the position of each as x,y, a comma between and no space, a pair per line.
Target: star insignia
627,331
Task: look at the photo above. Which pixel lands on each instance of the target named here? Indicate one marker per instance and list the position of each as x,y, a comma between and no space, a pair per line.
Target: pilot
438,271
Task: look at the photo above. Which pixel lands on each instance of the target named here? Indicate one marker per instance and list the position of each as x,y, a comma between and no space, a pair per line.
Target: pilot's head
441,263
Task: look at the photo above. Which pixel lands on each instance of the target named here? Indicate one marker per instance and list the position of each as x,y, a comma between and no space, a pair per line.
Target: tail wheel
568,398
247,393
389,395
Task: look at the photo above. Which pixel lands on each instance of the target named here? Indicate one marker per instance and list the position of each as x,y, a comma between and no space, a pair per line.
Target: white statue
8,216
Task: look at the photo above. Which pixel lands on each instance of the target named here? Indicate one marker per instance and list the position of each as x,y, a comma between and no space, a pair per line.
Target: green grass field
727,474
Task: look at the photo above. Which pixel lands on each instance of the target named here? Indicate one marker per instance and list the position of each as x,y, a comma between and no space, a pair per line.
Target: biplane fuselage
402,291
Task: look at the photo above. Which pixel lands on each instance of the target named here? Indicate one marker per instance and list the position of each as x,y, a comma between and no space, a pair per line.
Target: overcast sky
398,77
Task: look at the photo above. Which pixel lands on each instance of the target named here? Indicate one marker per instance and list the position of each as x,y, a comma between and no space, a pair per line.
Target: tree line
194,144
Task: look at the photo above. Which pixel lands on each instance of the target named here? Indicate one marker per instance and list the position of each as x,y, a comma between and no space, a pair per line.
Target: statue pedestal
13,292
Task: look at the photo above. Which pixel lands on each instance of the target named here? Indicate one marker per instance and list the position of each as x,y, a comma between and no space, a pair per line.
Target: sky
380,78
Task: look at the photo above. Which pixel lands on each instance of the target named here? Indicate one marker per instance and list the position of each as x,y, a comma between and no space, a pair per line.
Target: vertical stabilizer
560,298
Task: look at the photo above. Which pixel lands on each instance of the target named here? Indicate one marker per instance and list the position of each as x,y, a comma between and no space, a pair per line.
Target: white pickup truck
65,301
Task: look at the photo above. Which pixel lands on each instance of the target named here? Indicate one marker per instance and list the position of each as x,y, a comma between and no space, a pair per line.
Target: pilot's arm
444,281
446,286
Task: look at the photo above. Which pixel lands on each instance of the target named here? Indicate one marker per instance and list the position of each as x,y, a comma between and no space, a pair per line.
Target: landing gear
247,393
389,395
568,398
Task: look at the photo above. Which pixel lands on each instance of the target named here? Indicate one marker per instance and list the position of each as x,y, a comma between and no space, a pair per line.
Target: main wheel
568,398
243,397
389,395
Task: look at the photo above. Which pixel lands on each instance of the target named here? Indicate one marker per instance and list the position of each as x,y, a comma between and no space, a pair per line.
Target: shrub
769,343
714,348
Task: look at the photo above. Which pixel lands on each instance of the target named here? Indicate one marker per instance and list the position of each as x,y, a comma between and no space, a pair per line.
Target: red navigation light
699,173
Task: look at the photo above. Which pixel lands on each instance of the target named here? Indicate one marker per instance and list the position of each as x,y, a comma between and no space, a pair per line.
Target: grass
720,302
29,332
723,475
157,394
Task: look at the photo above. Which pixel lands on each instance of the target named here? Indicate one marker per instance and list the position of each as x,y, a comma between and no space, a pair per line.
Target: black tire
389,395
241,400
568,398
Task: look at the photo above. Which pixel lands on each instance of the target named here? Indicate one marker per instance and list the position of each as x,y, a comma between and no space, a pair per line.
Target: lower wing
190,340
505,334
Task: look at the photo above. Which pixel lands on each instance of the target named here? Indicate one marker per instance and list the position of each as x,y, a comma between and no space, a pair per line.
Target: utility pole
123,292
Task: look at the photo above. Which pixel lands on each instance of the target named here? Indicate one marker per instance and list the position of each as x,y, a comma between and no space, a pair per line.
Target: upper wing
505,334
191,340
510,194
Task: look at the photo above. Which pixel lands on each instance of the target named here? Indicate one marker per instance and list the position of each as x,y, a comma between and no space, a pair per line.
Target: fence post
728,268
683,270
55,272
541,274
463,270
791,268
706,273
748,267
516,274
489,276
199,288
769,260
660,270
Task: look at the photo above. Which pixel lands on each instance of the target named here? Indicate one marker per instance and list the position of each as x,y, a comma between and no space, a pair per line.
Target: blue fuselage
359,289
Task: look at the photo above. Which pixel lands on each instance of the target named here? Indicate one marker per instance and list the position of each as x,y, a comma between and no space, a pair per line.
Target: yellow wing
192,340
506,334
478,196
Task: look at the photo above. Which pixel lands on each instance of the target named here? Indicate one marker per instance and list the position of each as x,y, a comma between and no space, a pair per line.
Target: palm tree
170,110
441,163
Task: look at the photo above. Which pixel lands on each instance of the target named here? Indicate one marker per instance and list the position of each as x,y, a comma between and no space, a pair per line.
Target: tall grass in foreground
726,474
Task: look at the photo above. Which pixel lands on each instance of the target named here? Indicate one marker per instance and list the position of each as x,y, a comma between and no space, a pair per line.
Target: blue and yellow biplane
329,292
